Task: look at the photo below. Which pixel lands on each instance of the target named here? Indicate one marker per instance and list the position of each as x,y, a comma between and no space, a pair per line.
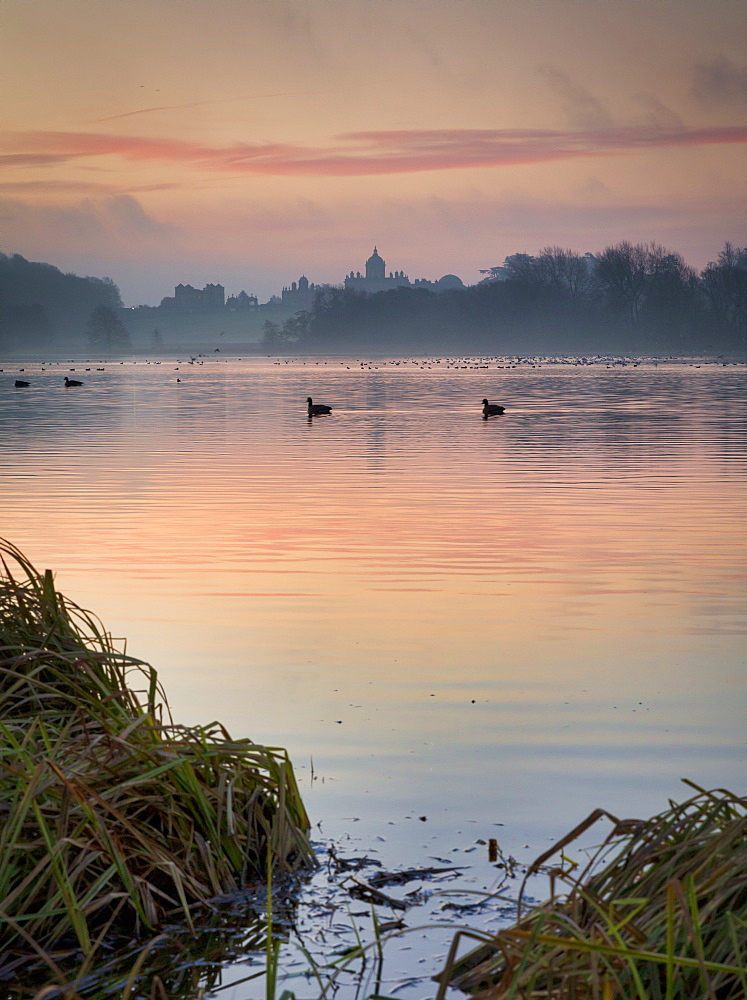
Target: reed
659,913
111,815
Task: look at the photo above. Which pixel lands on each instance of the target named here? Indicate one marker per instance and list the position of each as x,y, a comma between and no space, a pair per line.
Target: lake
460,628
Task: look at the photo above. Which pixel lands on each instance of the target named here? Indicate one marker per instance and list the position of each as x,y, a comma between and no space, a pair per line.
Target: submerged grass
659,913
111,815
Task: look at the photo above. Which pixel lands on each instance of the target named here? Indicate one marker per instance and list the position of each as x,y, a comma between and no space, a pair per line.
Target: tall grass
111,815
660,913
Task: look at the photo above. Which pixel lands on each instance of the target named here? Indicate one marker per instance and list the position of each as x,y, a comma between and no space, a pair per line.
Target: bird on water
20,384
491,409
317,409
71,381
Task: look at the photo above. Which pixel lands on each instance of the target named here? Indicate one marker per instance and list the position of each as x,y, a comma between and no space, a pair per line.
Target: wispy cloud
582,108
90,222
94,189
31,159
147,111
55,186
720,82
367,153
657,113
194,104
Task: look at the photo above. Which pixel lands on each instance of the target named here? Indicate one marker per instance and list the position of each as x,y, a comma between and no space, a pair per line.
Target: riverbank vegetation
115,818
120,830
659,913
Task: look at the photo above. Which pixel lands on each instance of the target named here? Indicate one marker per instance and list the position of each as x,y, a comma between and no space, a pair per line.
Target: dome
375,266
450,281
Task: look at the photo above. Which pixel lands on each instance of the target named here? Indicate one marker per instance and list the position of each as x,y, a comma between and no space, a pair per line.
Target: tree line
628,298
41,306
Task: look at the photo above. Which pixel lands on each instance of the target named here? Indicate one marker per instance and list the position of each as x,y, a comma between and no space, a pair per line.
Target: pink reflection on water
562,568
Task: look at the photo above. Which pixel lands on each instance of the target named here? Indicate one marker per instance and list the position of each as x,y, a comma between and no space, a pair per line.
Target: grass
114,821
659,913
113,817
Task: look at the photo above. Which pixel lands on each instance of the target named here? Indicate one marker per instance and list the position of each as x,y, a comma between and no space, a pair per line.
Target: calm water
506,622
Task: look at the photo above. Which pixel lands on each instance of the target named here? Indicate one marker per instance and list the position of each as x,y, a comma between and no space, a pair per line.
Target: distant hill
41,307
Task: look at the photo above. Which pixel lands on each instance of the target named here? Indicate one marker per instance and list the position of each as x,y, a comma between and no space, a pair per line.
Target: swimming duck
317,409
20,384
71,381
491,409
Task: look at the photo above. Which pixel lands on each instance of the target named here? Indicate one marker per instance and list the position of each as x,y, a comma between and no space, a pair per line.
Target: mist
625,299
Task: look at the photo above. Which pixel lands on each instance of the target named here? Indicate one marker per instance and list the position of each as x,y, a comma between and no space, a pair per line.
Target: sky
248,142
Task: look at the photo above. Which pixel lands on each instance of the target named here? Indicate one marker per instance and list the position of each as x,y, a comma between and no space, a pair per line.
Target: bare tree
106,331
523,267
293,330
566,271
622,272
724,283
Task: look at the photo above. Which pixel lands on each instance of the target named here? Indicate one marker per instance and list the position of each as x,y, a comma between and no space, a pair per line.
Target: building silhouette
189,299
300,295
376,279
242,302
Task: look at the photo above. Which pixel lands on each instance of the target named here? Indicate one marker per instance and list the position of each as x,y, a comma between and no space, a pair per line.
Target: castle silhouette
300,294
376,280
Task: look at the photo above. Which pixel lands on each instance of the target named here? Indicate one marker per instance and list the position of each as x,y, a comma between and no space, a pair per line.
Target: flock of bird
313,409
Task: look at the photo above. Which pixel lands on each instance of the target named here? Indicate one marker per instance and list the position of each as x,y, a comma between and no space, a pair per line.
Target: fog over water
507,621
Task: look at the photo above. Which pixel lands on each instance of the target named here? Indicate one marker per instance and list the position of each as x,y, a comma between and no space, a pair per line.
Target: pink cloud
366,153
83,188
30,159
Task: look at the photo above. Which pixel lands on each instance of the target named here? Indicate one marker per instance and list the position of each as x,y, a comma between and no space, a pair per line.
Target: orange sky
250,141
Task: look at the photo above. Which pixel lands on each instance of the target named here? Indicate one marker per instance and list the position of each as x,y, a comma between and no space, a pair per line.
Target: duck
71,381
491,409
317,409
20,384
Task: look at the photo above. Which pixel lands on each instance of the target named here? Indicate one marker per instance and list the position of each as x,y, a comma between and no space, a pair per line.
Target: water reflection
181,964
515,620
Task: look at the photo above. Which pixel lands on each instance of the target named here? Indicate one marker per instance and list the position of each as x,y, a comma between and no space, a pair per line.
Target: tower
375,267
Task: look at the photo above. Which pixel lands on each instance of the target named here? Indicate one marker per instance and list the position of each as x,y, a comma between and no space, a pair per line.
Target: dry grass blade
107,808
660,913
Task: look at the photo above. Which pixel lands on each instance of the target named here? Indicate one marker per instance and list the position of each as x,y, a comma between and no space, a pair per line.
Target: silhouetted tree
653,292
25,325
622,271
492,274
724,284
567,272
106,331
38,299
277,337
672,297
629,297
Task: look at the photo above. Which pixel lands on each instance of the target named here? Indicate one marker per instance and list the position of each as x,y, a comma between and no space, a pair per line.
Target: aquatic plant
113,816
659,913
